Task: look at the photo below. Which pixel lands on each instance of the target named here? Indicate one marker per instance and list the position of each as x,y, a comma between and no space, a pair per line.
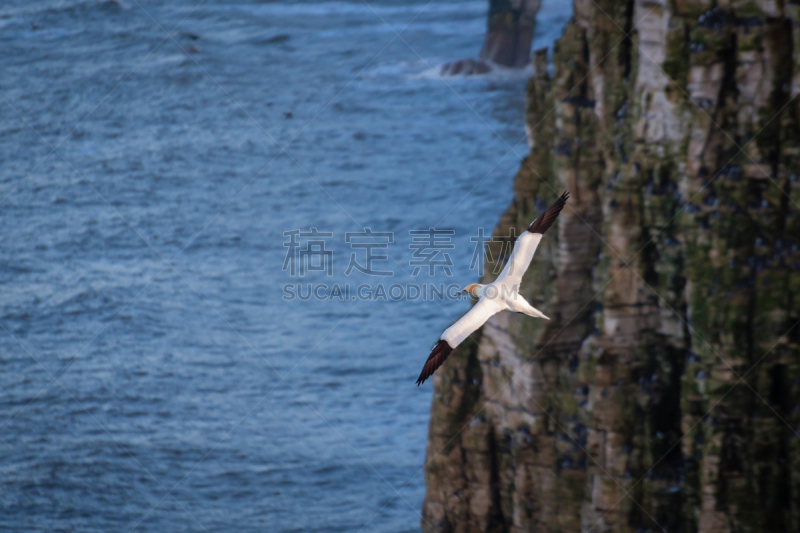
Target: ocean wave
27,9
328,9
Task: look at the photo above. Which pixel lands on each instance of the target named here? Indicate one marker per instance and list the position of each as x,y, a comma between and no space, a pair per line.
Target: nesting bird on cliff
501,295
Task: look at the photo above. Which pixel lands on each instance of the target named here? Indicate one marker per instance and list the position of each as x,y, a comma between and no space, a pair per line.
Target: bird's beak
461,293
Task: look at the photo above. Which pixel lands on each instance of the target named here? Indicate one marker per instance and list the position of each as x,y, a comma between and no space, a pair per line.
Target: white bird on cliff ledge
501,295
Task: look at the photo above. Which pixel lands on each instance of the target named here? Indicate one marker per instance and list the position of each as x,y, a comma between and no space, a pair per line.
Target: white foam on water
496,72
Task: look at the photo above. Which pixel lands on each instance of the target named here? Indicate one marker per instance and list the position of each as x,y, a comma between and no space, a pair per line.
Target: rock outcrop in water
509,35
510,32
663,392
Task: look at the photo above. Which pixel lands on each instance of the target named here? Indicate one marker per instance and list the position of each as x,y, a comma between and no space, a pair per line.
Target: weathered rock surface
663,392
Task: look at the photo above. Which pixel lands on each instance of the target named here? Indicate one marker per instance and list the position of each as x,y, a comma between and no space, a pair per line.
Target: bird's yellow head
472,289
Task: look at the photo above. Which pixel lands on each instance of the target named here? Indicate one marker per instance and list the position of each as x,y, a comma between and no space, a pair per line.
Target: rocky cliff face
663,392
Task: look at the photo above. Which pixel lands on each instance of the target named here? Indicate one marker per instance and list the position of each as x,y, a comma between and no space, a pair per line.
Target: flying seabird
501,295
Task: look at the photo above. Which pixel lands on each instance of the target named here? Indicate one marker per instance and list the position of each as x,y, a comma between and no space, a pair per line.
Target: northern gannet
501,295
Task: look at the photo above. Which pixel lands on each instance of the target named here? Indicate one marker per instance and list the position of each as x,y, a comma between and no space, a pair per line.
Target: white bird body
501,295
472,320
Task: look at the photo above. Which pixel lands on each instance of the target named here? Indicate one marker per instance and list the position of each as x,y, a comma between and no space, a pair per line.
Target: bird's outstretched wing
457,333
527,243
543,222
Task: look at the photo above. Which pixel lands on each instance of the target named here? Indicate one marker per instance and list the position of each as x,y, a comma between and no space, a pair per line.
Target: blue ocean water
152,375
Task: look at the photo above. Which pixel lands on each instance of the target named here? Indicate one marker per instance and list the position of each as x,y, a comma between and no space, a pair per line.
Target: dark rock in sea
510,32
465,67
275,39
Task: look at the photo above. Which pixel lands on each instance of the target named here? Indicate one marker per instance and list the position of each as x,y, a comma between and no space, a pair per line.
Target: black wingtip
439,353
546,219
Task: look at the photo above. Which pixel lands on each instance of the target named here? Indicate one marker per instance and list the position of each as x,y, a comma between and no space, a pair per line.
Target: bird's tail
535,312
